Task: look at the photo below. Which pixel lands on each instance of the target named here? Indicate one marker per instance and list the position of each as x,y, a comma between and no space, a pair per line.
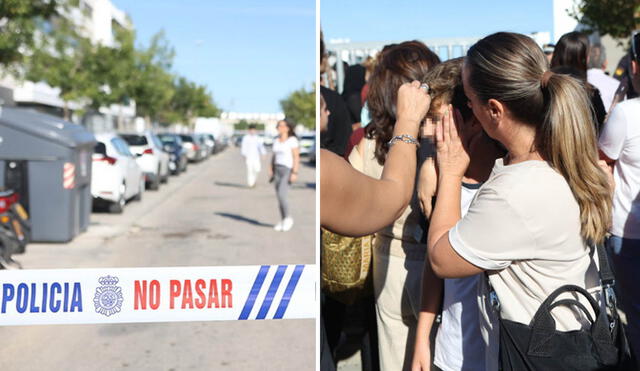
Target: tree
19,20
609,17
189,101
151,84
61,59
244,125
112,70
300,107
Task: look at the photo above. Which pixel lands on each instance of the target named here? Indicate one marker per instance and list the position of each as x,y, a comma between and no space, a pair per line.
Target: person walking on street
284,169
252,149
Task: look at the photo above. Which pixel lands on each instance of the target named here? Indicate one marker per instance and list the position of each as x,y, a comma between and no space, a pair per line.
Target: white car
209,142
116,176
307,141
152,158
191,145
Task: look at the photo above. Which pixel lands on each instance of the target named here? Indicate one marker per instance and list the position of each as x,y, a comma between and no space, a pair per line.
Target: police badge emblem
108,298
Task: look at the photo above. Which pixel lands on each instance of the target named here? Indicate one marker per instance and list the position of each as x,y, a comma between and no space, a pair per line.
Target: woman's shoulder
525,180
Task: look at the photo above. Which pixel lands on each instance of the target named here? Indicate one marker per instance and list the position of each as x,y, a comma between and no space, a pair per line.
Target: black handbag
539,346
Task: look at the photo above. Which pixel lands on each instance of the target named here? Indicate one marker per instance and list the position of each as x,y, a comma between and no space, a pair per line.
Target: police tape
123,295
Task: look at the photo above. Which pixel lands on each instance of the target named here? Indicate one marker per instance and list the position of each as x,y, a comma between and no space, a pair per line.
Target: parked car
222,142
209,142
312,152
172,144
267,140
202,145
306,142
116,176
236,139
152,158
192,147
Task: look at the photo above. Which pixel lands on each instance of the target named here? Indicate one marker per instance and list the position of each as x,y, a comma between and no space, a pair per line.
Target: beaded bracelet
403,138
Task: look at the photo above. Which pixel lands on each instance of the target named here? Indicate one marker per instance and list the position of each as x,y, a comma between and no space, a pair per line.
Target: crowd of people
489,181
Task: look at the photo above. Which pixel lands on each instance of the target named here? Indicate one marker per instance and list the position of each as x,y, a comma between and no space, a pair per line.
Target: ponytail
511,68
567,139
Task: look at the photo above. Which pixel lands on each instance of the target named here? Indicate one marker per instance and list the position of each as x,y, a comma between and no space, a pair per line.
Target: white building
96,20
445,48
270,120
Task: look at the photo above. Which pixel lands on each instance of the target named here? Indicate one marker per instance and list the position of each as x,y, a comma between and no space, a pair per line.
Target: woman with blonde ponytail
531,224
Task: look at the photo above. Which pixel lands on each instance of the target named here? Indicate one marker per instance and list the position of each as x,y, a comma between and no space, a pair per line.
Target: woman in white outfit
532,222
284,170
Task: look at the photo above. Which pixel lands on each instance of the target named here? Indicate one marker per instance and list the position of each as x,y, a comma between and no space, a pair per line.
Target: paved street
205,217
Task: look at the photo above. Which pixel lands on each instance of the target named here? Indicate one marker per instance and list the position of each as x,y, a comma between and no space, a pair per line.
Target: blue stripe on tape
255,290
275,283
284,303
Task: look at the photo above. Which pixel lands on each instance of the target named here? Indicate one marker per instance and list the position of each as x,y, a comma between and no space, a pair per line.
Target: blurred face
283,128
324,114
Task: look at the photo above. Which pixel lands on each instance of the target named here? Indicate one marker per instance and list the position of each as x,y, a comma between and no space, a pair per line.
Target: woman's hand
421,356
427,185
413,103
453,157
293,177
609,171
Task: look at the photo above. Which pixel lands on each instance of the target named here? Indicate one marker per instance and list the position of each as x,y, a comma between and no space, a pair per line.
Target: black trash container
47,161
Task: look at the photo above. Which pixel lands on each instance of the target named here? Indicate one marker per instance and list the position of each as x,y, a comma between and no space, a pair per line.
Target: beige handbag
346,261
345,265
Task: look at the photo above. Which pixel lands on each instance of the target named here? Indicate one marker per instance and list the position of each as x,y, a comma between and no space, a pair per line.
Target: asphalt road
205,217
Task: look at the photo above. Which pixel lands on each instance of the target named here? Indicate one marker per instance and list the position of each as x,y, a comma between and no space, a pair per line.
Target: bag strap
607,280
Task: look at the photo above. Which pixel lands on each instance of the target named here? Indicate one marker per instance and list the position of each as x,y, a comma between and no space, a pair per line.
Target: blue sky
386,20
250,54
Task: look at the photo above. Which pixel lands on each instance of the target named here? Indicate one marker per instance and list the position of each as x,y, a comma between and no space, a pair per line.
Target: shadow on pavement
303,186
244,219
235,185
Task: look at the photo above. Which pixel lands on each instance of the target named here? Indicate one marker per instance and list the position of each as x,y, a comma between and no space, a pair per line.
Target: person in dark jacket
570,57
351,93
336,137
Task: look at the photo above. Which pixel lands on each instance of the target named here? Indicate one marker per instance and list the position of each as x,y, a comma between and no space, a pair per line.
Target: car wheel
118,206
138,196
154,185
164,179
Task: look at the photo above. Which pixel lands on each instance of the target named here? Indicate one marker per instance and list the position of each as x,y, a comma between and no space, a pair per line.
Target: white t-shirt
252,146
283,151
606,84
524,225
620,141
459,344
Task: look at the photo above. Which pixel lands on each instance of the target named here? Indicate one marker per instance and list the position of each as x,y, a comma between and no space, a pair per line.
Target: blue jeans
624,255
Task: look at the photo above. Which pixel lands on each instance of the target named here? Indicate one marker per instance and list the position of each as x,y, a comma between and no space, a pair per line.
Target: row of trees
40,43
609,17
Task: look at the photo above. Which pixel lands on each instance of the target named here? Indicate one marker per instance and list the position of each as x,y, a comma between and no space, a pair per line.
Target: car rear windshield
187,138
100,148
167,139
134,140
